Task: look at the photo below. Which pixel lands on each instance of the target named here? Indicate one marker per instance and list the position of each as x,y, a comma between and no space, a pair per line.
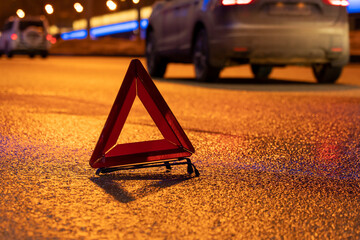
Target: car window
25,24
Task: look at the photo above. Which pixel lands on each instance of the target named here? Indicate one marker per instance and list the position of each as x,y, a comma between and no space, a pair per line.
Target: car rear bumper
20,47
280,46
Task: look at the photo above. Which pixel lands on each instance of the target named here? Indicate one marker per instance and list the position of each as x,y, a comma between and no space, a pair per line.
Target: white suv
25,36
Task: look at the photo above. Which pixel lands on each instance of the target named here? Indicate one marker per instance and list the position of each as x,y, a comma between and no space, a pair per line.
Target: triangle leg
168,166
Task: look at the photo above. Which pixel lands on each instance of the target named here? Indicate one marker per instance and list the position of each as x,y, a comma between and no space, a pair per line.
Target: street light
49,9
20,13
111,5
136,2
78,7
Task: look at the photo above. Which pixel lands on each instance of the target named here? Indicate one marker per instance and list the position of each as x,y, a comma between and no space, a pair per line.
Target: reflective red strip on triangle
175,144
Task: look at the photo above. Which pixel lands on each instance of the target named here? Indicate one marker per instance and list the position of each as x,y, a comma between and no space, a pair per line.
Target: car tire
44,54
9,54
155,64
261,72
7,51
325,73
204,71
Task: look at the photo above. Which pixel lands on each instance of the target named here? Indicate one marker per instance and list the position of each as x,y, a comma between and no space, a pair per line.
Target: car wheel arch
197,28
148,30
156,64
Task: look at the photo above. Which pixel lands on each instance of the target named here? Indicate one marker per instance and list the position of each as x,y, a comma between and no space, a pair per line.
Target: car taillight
14,36
235,2
336,49
343,3
51,39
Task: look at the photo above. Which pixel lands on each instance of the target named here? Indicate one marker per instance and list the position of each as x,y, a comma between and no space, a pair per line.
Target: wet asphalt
278,159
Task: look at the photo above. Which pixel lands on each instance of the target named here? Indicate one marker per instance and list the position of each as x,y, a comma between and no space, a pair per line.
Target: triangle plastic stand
172,150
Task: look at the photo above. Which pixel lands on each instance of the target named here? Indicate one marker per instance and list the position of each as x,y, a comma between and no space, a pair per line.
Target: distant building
354,21
354,14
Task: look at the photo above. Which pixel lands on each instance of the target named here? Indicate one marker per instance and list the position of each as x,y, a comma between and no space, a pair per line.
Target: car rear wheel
204,71
9,54
261,72
155,64
8,51
325,73
44,54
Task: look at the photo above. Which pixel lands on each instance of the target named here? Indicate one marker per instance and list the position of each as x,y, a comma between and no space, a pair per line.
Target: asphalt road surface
278,159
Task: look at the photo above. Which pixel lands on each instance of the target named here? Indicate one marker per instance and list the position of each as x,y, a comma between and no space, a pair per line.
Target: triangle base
167,164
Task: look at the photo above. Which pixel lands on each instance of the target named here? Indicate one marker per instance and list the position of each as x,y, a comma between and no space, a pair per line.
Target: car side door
167,27
186,15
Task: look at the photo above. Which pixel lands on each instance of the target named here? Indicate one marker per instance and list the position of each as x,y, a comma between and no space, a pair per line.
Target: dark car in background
214,34
27,35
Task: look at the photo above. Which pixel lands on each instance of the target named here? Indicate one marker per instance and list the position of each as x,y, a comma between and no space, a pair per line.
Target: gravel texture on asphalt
278,160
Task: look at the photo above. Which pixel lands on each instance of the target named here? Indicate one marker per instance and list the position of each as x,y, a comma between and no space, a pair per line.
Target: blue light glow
205,3
144,23
354,6
79,34
106,30
114,28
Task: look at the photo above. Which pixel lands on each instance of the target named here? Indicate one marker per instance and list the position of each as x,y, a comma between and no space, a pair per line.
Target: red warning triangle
108,153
